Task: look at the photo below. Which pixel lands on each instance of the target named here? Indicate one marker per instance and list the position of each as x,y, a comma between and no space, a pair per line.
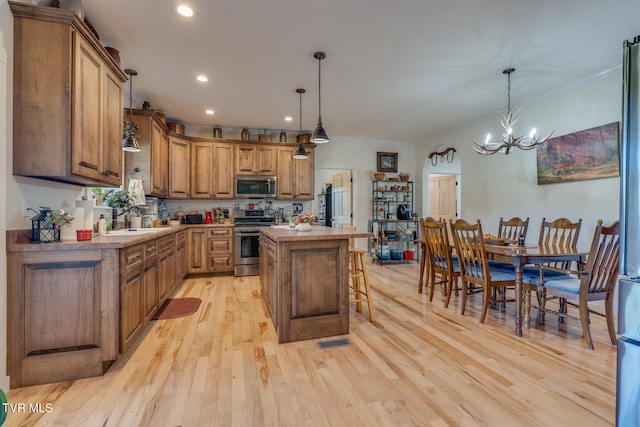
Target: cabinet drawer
167,242
133,257
220,232
219,245
151,249
220,263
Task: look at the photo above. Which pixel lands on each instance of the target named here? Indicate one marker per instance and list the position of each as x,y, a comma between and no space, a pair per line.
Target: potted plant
117,200
98,195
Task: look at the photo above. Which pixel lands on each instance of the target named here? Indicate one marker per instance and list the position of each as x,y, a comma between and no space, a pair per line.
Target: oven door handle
247,233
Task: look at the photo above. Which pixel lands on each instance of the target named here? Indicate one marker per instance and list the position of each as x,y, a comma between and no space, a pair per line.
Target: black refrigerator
628,363
328,206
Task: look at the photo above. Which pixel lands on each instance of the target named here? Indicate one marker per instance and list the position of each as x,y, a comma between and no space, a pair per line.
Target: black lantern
44,228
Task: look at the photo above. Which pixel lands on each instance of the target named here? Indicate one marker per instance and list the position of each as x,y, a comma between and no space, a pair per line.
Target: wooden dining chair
558,234
472,257
424,265
596,282
513,229
440,259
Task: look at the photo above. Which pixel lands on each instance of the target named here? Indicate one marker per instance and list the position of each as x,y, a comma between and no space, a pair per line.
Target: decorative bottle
102,226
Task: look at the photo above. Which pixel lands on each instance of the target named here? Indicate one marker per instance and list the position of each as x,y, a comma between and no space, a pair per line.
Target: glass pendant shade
319,135
130,142
300,153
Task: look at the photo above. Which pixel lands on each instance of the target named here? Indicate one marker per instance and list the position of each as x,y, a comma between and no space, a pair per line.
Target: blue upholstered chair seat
565,284
532,276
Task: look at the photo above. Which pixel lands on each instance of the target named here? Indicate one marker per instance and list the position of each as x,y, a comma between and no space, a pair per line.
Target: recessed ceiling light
288,118
210,112
185,10
202,78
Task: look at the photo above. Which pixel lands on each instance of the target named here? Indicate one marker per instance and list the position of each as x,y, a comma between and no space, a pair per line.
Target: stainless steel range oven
247,224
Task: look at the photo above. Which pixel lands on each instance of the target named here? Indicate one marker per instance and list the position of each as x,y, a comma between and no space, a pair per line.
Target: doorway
443,197
325,199
342,200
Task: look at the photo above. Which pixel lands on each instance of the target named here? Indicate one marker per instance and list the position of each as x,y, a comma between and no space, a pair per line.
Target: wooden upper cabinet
67,100
179,167
223,171
252,159
152,162
295,176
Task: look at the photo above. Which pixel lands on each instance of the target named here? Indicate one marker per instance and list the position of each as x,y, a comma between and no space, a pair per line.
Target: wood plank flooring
419,364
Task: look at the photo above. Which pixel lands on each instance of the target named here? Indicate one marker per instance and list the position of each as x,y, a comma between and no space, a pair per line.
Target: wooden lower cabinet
210,249
45,343
181,259
268,279
166,267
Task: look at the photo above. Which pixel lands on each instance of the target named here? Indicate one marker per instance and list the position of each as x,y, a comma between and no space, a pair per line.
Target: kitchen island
304,278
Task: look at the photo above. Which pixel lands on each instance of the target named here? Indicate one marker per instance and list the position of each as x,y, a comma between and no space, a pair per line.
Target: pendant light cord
319,91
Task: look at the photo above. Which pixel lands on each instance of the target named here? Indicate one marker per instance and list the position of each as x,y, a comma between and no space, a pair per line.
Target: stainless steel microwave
255,187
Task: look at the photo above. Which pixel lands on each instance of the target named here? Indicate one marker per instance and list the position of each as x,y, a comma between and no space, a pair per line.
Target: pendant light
130,142
319,134
300,153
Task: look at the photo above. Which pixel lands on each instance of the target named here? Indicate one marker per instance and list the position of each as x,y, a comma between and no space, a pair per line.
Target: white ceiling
395,70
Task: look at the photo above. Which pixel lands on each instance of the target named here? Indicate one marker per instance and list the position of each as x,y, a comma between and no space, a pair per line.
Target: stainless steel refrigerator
628,368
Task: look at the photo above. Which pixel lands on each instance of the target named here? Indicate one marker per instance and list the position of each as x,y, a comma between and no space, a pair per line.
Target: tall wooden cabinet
67,95
179,167
295,176
153,160
211,170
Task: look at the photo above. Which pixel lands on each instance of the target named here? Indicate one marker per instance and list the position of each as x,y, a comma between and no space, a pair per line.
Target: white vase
303,226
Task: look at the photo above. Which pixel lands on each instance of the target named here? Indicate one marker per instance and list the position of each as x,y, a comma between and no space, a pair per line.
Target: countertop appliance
403,211
628,368
255,187
246,253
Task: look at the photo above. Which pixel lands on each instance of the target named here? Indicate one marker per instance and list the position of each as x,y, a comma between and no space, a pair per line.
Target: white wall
498,185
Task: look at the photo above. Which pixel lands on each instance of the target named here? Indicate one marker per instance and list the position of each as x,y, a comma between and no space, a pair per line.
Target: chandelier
525,142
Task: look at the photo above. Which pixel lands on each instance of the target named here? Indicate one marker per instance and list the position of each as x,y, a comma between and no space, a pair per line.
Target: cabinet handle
88,166
110,173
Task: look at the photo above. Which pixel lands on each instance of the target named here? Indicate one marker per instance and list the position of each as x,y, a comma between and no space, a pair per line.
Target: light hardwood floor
419,364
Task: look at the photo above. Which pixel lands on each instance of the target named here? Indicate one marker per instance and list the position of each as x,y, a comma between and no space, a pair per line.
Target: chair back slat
439,249
602,263
513,229
470,250
560,234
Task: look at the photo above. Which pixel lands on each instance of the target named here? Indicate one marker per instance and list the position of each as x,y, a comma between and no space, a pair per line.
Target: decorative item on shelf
377,176
300,153
244,135
98,195
217,132
319,134
442,155
114,53
403,176
130,142
146,106
45,226
176,127
74,5
283,136
264,137
505,146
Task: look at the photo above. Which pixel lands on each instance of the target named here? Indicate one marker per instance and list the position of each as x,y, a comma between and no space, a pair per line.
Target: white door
442,197
341,190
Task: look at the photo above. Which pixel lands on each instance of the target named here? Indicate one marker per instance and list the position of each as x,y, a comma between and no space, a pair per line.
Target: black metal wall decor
442,155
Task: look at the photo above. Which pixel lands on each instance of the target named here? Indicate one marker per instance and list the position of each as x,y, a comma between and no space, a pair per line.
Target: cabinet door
202,170
196,246
86,142
179,157
165,274
303,178
223,171
244,159
181,257
131,312
112,130
285,175
295,176
159,161
265,160
150,290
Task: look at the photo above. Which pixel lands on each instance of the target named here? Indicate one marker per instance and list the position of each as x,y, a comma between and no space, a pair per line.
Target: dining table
530,254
